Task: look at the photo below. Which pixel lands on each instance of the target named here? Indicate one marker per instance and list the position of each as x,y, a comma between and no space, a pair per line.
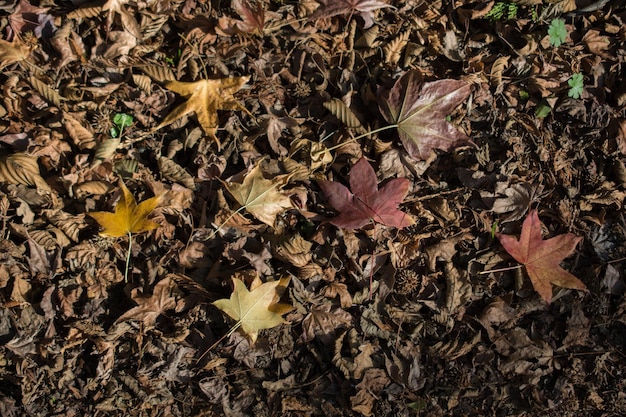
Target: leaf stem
508,268
130,246
380,129
225,221
227,334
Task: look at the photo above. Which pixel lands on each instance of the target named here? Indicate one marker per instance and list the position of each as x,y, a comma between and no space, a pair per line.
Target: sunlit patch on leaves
542,257
419,111
255,309
366,202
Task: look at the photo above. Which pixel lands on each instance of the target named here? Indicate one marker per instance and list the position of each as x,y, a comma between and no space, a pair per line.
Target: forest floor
349,178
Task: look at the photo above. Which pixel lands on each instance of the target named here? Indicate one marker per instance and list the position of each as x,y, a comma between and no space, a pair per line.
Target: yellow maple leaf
256,309
204,98
260,196
128,217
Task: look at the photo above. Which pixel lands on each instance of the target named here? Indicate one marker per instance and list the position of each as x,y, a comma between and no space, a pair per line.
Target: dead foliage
312,208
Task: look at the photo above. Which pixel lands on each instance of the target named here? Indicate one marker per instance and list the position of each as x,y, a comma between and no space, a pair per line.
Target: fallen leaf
150,307
11,52
362,8
128,216
542,257
420,109
260,196
204,98
366,202
252,18
256,309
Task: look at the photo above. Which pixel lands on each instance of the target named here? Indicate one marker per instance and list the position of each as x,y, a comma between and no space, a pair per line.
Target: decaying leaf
420,109
204,98
128,216
542,257
150,307
260,196
362,8
366,202
255,309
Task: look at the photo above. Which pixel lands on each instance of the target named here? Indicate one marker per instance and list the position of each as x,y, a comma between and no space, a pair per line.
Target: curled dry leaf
174,172
255,309
542,257
419,111
150,307
19,168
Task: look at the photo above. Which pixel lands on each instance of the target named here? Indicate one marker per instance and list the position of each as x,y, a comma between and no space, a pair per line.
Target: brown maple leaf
419,111
366,202
204,98
542,257
362,8
150,307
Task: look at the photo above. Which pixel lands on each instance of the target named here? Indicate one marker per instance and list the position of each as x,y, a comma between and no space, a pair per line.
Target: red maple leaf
419,112
366,202
542,257
363,8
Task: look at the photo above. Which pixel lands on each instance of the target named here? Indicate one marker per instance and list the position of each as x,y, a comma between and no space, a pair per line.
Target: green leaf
557,32
576,83
122,120
542,110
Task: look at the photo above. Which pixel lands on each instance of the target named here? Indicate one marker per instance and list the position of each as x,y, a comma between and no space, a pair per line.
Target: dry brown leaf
150,307
175,173
204,98
20,168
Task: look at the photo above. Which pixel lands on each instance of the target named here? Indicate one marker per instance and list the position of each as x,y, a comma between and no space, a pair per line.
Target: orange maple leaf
128,217
542,257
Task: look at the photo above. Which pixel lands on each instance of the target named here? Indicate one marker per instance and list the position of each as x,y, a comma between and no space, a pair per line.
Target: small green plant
557,32
120,121
542,110
576,84
503,10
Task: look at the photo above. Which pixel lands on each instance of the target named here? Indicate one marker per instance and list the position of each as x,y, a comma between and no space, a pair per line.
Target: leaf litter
383,155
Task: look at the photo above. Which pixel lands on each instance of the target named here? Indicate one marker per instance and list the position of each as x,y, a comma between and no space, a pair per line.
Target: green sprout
120,121
542,110
502,10
576,84
557,32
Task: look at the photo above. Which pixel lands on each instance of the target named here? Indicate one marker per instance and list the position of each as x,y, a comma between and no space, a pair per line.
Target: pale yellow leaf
257,309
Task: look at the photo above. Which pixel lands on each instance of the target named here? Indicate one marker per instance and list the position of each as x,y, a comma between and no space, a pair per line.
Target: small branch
509,268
